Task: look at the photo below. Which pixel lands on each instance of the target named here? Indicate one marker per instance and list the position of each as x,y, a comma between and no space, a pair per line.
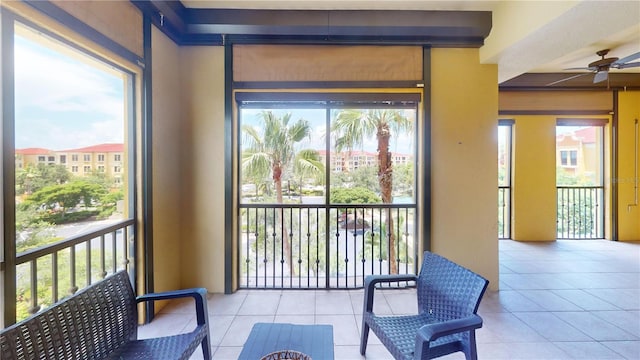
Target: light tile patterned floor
570,299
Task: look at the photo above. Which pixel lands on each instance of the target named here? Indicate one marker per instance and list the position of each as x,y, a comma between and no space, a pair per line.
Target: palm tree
350,128
273,153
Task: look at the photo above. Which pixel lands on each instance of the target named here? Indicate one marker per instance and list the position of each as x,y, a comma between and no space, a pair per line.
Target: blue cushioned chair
448,299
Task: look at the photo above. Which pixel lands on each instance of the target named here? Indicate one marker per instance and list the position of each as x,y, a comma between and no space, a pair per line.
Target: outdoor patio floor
569,299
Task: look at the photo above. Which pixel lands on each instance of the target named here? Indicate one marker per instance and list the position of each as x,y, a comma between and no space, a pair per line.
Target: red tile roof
587,135
33,151
100,148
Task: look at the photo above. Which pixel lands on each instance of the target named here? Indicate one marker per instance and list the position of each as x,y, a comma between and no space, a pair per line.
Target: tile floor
570,299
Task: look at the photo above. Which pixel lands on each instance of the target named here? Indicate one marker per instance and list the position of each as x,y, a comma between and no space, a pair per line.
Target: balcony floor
569,299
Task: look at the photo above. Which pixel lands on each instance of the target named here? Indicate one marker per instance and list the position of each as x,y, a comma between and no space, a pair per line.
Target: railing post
34,287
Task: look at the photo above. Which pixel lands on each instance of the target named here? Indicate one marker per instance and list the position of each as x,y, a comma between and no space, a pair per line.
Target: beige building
352,160
32,156
578,153
103,158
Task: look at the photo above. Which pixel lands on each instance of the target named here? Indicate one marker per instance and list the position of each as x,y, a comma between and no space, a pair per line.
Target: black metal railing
318,246
504,212
580,212
46,274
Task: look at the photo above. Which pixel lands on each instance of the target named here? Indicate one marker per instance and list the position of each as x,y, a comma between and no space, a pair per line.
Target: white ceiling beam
579,25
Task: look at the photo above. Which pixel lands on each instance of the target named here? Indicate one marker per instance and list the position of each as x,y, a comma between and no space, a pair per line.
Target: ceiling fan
601,67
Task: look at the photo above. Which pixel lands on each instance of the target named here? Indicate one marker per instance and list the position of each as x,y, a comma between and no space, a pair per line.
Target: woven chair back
447,290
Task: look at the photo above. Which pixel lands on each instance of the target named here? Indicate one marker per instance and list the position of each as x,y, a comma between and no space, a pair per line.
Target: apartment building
352,160
577,152
101,158
32,156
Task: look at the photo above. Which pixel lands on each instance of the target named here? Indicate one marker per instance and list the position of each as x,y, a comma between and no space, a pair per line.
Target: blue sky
64,100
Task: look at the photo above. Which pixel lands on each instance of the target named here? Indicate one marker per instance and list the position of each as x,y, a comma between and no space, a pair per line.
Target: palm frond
251,137
308,165
256,165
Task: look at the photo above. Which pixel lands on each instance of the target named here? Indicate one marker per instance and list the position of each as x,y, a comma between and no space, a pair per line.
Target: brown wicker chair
100,322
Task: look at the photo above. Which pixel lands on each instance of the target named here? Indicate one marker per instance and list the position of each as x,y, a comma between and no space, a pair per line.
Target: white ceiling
567,40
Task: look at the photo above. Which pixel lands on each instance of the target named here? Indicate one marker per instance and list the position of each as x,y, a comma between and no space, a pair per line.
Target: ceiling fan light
601,76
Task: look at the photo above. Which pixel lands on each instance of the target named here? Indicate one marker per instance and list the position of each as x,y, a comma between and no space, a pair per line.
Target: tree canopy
356,195
66,196
33,178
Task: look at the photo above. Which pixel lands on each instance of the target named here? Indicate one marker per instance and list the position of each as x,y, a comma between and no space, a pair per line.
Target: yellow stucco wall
629,216
167,162
202,234
534,178
464,157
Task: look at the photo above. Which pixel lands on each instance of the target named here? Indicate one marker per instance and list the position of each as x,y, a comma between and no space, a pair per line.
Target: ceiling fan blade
566,79
627,59
628,65
601,76
582,68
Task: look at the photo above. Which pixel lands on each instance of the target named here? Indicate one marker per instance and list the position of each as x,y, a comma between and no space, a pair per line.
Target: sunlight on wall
464,151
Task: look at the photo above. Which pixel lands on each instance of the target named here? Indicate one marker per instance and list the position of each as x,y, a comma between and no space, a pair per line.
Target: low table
313,340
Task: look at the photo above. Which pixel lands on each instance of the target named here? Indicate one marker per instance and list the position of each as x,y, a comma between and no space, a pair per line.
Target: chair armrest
198,294
433,331
371,281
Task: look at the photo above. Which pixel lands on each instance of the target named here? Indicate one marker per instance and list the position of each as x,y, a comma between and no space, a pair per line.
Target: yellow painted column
202,236
534,179
464,144
166,176
628,173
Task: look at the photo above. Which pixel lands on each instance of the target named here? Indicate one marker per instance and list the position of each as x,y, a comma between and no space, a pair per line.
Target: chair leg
364,337
206,348
470,350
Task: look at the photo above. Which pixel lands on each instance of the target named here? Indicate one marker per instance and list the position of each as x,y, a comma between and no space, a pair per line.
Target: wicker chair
448,299
100,322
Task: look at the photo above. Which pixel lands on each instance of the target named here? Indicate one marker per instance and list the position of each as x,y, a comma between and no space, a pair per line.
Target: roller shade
342,63
513,102
581,122
121,21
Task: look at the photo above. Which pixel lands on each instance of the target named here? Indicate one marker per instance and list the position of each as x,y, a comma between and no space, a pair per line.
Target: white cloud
62,102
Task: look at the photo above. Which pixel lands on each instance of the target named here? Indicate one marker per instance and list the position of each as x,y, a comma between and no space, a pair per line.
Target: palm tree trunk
286,241
392,243
385,179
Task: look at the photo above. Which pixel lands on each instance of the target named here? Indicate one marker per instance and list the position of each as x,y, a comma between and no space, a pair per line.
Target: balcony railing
46,274
504,212
331,246
580,212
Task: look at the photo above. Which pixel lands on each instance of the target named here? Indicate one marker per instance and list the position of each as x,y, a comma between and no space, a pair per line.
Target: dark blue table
313,340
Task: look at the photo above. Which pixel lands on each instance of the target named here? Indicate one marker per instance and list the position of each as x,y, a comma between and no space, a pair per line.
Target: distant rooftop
33,151
100,148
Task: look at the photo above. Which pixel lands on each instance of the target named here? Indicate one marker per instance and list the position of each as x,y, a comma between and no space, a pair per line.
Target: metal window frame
599,123
7,36
332,100
508,123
